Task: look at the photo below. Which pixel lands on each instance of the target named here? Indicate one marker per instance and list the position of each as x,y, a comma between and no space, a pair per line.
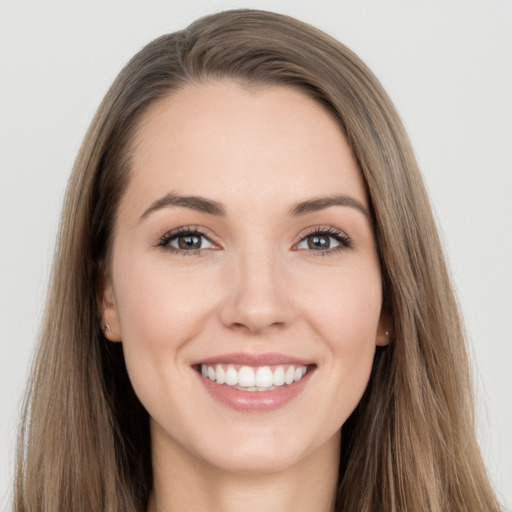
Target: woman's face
244,253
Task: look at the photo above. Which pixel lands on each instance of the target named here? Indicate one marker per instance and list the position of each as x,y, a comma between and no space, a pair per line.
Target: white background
446,64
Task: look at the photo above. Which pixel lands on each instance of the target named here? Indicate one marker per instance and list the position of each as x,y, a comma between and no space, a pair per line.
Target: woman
249,295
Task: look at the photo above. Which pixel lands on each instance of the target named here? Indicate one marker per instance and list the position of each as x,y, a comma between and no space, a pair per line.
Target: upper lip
246,359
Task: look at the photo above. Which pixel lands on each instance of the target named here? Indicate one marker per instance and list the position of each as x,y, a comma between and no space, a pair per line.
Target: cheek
159,312
158,306
345,309
345,317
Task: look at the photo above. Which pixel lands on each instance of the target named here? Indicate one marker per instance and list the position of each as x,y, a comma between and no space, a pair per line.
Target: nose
258,298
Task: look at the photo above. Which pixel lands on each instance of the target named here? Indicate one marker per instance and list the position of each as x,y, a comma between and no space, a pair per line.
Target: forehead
233,143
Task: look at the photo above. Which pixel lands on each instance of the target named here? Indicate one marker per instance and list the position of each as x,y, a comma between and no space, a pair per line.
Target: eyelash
184,230
342,238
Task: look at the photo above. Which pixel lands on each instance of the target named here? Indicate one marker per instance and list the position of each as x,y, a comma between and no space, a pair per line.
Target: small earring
106,326
387,333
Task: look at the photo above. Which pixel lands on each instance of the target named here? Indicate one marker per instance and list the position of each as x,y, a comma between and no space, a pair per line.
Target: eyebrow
211,207
197,203
321,203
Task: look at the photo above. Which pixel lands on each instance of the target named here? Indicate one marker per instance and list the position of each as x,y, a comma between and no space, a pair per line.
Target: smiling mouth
249,378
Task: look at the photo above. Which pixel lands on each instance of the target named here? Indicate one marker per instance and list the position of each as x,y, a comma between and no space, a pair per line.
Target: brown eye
187,241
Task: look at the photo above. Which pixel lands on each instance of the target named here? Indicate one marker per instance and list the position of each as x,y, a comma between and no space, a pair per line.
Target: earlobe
109,317
385,328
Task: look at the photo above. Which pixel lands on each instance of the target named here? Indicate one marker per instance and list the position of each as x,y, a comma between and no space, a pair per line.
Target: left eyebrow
200,204
321,203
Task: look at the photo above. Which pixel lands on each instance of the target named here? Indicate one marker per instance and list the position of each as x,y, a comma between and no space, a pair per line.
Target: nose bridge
257,298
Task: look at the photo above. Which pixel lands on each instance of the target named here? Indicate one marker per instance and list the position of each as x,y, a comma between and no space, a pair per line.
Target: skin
256,286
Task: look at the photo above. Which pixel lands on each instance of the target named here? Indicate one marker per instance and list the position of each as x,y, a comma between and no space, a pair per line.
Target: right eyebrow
321,203
198,203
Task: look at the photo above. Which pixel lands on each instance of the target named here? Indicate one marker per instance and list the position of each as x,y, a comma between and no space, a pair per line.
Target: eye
324,240
186,240
192,241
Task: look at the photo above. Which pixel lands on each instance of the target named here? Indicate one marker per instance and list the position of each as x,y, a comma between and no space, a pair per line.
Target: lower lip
254,401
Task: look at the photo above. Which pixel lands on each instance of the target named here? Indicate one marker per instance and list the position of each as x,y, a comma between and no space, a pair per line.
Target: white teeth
278,377
289,376
264,377
221,374
231,377
246,378
255,388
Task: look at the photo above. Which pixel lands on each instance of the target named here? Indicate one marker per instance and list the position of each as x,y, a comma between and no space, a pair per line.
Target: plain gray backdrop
447,65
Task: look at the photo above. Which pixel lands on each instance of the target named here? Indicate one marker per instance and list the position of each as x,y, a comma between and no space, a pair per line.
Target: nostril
256,326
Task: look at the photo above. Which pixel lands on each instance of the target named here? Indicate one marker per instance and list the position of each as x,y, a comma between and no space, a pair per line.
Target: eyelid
344,240
183,230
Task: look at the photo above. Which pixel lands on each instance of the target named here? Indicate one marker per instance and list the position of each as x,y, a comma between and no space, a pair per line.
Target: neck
182,482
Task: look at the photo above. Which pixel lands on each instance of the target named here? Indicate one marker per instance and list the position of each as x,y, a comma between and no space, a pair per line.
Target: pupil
318,242
190,242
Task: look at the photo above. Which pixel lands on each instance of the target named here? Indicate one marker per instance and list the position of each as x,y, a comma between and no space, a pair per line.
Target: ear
110,324
385,327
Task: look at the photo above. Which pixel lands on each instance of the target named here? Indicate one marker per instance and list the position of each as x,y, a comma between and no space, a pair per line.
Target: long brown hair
409,445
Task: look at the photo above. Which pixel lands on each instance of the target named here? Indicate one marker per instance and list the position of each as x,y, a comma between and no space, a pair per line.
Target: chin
262,453
255,462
